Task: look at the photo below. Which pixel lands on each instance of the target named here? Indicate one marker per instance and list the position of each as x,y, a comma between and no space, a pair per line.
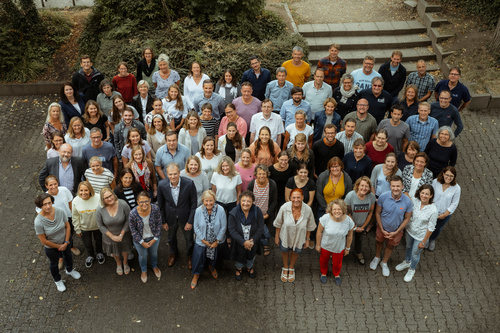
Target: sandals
119,270
251,272
126,269
267,250
291,274
193,284
284,274
361,258
237,275
214,273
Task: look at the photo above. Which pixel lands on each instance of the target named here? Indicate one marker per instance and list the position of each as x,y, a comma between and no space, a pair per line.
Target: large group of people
231,163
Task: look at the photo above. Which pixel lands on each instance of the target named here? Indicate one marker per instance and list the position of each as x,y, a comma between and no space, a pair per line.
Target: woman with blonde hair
209,156
300,153
77,136
192,133
226,184
176,106
156,134
143,169
99,176
54,122
199,177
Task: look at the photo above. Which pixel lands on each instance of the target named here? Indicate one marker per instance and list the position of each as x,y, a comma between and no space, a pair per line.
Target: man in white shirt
267,118
317,91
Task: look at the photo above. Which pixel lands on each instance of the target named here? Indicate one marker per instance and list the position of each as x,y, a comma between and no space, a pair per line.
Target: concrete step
369,42
361,29
433,8
357,56
411,66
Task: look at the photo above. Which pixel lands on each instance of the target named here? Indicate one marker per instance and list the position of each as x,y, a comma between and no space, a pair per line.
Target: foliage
487,10
28,39
185,42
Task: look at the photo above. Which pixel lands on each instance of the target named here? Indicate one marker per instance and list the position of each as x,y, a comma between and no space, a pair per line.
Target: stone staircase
372,38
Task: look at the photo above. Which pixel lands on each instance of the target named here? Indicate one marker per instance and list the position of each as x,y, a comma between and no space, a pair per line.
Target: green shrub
488,10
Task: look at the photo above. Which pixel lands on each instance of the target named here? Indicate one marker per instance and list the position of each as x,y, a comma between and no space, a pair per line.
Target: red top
377,157
127,86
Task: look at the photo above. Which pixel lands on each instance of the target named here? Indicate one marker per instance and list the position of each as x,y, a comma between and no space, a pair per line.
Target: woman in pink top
246,168
264,149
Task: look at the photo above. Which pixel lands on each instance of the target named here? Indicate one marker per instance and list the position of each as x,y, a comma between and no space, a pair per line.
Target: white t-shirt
61,200
209,165
226,187
191,89
335,233
294,131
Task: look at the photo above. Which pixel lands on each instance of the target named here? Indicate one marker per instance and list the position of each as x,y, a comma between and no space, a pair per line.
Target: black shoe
100,258
238,274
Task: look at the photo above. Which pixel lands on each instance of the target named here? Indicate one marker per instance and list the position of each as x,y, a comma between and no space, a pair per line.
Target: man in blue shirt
211,98
459,91
291,106
278,91
170,152
259,77
445,113
422,127
393,213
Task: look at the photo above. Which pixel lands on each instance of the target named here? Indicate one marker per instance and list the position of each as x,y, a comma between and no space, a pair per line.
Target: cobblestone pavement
456,287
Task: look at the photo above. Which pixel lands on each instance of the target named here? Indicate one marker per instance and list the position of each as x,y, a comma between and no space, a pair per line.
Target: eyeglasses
143,202
454,74
362,104
108,197
376,85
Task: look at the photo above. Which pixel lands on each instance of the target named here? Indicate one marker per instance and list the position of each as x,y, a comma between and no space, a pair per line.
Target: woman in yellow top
333,183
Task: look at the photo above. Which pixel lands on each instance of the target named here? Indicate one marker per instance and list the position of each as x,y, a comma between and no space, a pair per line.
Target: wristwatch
348,248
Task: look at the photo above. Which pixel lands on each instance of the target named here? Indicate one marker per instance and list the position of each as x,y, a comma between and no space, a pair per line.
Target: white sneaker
385,269
74,274
409,275
402,266
374,263
432,245
60,286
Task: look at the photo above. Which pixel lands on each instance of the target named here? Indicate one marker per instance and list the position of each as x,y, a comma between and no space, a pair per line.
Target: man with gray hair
298,70
334,66
317,91
363,76
102,149
177,201
379,100
278,91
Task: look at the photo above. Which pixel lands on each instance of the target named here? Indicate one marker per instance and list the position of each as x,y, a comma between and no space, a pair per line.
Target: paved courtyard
456,287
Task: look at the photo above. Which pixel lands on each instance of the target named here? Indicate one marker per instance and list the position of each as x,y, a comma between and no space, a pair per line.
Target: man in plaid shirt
334,66
423,80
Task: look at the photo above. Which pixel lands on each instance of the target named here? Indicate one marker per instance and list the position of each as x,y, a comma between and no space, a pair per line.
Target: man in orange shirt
298,71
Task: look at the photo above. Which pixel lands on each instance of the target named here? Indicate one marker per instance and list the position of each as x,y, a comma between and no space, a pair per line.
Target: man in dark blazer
177,200
68,170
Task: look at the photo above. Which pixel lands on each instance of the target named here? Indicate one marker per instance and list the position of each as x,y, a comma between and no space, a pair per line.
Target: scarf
144,172
241,215
233,91
210,236
347,94
147,70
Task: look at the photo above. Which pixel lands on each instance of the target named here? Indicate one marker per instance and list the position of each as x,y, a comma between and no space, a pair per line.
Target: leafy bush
185,42
488,10
28,39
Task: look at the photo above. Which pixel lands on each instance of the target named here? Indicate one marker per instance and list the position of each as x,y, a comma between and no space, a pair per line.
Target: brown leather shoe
190,266
171,260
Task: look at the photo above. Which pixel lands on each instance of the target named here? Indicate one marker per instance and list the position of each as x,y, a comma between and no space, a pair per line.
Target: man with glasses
379,100
363,76
102,149
445,113
366,125
458,90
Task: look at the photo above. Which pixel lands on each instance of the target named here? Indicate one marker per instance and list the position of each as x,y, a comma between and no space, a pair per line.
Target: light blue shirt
278,94
215,100
66,176
174,190
288,110
393,211
316,97
164,157
362,80
422,131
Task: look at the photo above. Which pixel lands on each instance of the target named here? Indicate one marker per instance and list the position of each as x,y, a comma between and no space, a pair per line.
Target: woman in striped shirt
128,188
98,176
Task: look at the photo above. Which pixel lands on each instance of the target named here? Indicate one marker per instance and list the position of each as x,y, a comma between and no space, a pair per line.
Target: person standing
291,106
393,213
422,127
278,91
298,70
325,149
246,107
424,81
259,77
208,96
394,74
267,118
146,67
398,131
445,113
458,90
366,125
333,66
317,91
379,100
177,201
86,80
349,135
102,149
170,152
363,76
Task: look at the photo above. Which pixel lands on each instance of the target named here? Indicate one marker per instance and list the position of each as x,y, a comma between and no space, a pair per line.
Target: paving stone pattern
455,287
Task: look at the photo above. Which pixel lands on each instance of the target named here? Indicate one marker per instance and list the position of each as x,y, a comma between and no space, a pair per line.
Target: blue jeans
54,255
412,251
266,237
439,226
249,263
143,254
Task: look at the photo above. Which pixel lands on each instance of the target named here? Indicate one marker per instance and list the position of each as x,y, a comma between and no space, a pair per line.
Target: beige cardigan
154,144
294,234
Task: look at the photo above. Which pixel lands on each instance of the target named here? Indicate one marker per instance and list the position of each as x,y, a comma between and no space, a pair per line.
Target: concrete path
456,288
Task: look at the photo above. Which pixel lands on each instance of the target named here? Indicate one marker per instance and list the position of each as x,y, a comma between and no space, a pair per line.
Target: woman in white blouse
294,223
447,197
192,133
209,156
176,106
419,229
193,83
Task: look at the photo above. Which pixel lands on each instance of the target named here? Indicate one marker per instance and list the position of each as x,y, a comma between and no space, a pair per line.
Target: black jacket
393,83
89,89
184,211
136,103
51,167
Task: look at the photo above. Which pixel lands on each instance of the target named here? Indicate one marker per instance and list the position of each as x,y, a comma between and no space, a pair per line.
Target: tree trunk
495,43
